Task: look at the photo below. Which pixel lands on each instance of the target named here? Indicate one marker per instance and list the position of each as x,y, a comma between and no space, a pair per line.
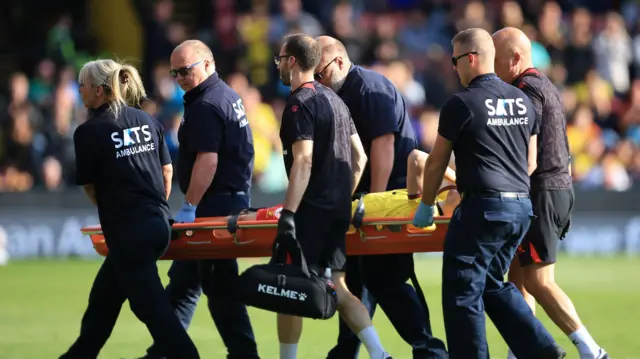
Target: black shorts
553,218
323,236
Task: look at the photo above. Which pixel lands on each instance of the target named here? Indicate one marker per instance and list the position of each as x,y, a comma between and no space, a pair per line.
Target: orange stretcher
232,237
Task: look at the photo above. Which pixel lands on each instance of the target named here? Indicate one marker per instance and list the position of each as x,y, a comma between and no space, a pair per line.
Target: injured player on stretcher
400,203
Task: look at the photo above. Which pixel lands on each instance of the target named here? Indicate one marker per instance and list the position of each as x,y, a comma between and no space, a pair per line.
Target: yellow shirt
394,203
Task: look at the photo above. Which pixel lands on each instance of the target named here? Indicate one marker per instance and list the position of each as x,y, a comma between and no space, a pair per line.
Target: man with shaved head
215,165
380,116
552,196
491,128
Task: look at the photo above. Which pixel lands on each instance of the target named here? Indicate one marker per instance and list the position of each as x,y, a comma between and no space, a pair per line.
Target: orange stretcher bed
220,237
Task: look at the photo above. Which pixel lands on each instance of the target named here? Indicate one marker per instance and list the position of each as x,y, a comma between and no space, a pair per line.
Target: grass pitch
42,302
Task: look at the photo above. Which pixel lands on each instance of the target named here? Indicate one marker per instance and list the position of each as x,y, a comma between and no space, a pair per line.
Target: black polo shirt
377,109
314,112
215,121
553,146
490,124
123,158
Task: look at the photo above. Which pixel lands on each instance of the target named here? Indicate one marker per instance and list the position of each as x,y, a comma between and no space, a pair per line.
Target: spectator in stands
613,54
384,35
42,86
578,55
344,28
155,19
400,74
552,34
292,16
19,91
474,16
61,46
24,149
59,136
254,32
583,135
539,54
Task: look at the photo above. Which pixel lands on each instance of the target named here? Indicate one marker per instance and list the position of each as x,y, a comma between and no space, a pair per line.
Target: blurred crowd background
590,49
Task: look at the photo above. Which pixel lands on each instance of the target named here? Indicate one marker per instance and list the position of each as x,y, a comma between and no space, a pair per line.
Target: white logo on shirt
132,139
499,116
241,115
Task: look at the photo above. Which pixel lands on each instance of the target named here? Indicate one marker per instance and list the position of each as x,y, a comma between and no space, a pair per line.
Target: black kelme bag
290,289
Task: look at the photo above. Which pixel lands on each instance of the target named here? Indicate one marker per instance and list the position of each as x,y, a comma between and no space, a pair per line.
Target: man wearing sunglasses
491,128
324,158
533,269
380,116
215,164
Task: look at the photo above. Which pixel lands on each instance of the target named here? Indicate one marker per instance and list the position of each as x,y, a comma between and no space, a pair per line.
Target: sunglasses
183,71
277,59
454,59
318,75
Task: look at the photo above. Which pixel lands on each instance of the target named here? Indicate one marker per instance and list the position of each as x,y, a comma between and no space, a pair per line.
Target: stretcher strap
232,223
358,215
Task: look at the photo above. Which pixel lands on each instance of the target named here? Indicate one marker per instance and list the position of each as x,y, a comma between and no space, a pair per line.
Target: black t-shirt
490,124
314,112
123,158
215,121
553,146
377,109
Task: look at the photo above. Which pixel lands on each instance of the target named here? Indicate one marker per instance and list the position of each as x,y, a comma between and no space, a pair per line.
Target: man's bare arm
435,168
382,157
358,161
90,190
167,174
204,169
532,158
299,175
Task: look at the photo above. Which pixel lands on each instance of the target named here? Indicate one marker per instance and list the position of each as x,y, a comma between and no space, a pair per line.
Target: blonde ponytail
122,83
127,86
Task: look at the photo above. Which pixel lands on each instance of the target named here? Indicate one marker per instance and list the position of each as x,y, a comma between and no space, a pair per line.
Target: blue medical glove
187,213
424,216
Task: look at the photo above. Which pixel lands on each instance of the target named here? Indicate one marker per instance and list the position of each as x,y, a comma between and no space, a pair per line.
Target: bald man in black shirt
533,268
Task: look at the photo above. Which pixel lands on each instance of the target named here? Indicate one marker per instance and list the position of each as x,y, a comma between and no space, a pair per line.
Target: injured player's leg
415,173
415,177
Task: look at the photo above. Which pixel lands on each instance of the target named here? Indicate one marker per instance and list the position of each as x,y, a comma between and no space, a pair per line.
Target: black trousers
130,272
216,278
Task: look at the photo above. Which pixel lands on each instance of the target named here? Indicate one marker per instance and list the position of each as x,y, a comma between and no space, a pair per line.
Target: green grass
41,304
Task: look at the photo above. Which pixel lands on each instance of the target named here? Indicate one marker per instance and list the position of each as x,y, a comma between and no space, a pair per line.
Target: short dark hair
305,49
